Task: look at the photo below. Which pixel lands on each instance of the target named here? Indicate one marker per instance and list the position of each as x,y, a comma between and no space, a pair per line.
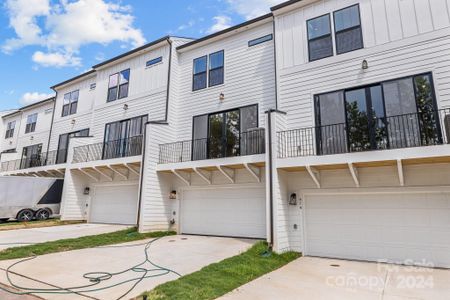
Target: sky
44,42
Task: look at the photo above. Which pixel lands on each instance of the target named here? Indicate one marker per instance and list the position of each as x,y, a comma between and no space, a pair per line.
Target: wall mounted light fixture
365,65
222,96
125,107
173,195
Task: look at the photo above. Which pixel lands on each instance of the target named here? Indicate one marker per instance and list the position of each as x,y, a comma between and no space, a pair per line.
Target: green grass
118,237
220,278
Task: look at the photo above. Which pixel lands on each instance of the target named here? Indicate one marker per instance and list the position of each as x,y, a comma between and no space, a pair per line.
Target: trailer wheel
25,215
43,214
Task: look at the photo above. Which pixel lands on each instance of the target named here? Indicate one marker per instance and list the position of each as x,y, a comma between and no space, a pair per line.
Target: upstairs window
10,129
31,123
154,61
70,103
260,40
199,76
216,67
347,27
320,43
118,85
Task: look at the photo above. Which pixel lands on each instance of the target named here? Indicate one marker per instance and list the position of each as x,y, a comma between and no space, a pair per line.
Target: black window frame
205,73
70,106
154,61
10,127
330,35
66,152
260,40
118,87
336,32
217,68
31,127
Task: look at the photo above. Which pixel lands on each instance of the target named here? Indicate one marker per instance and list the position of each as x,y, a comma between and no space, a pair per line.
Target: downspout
51,125
144,141
269,128
275,61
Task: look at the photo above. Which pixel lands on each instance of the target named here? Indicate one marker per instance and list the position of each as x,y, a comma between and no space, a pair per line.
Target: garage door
115,205
400,228
234,212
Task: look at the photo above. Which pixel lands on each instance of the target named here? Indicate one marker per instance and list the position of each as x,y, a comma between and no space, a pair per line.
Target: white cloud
221,23
65,27
56,59
30,98
250,9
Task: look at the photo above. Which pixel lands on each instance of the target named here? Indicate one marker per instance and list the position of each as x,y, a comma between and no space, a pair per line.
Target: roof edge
284,4
73,79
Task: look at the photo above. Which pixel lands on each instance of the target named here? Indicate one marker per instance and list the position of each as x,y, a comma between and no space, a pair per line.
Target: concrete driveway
183,254
317,278
21,237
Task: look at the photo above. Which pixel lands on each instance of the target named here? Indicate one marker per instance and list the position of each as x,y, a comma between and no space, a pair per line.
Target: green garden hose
95,278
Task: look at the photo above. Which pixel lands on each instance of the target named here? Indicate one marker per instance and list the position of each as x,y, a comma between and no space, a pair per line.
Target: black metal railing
109,150
394,132
33,161
246,143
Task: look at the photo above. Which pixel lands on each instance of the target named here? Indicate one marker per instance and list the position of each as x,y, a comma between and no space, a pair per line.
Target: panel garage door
400,228
114,205
234,212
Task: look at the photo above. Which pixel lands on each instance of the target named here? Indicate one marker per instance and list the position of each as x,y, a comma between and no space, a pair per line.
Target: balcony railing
37,160
246,143
109,150
394,132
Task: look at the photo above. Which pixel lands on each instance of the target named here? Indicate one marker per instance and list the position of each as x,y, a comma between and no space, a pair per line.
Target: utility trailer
29,198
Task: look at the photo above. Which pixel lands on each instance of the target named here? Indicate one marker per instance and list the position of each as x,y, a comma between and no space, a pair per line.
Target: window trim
10,131
31,127
321,37
218,68
347,29
194,74
263,39
70,104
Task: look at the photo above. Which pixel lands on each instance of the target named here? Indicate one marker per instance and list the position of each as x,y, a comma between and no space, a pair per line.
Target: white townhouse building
322,127
360,139
26,133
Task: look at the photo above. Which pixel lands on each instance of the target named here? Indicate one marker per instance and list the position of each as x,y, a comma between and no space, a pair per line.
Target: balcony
121,148
34,161
244,144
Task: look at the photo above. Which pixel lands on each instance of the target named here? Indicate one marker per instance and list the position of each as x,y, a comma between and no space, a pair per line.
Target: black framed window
320,41
31,123
118,85
216,68
399,113
70,103
63,144
10,129
260,40
31,156
348,31
154,61
200,74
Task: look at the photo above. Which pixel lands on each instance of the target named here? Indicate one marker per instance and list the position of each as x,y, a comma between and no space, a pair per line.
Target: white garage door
399,228
234,212
114,205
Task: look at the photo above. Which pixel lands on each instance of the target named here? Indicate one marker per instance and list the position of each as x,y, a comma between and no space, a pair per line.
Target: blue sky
44,42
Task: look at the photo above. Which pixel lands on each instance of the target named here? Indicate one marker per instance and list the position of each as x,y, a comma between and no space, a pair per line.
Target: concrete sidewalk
328,279
183,254
21,237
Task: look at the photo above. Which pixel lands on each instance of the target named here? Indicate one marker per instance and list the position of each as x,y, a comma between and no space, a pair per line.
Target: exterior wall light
73,121
293,199
31,138
173,195
222,96
125,107
365,65
87,191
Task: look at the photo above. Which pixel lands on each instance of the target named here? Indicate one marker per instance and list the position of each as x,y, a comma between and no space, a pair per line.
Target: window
216,62
10,129
199,77
393,114
118,85
70,103
31,123
63,145
93,86
31,157
260,40
320,43
154,61
347,27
